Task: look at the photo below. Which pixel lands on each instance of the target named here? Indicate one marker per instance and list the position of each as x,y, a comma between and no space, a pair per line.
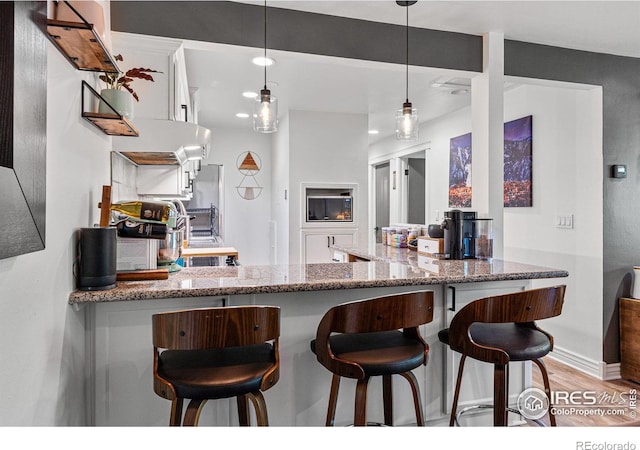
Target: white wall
281,193
567,179
326,148
245,222
43,337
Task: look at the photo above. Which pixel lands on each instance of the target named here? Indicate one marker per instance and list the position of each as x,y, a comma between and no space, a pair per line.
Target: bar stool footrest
483,406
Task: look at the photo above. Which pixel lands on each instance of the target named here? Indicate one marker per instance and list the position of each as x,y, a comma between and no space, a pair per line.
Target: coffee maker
458,234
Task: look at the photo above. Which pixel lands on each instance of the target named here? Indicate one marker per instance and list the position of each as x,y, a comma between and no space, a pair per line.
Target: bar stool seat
214,374
384,353
501,329
520,343
363,339
213,353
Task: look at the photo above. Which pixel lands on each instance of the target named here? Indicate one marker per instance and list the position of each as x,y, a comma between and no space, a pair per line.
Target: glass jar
483,238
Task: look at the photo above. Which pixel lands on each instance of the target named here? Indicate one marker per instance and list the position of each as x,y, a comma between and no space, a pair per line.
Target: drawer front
427,263
430,246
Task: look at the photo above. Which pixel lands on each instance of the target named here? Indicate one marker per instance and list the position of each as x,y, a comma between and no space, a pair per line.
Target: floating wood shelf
80,44
113,124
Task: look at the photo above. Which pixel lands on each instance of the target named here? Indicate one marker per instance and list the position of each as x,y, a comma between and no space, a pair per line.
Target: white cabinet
180,101
163,181
122,366
120,369
317,245
156,54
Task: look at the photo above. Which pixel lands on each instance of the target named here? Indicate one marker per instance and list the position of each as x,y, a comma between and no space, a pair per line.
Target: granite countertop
391,267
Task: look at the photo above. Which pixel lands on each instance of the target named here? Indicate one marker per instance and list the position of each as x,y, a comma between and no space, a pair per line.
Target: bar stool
499,330
213,353
370,343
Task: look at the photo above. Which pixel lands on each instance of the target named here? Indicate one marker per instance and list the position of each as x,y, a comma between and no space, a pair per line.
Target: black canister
97,259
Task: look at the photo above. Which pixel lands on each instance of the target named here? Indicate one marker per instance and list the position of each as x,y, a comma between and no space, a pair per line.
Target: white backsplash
123,179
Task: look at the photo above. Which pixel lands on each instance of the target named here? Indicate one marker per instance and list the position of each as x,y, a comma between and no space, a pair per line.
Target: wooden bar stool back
213,353
501,329
375,337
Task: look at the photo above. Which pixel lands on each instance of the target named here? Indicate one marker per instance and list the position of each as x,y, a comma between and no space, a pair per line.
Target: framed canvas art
518,139
460,171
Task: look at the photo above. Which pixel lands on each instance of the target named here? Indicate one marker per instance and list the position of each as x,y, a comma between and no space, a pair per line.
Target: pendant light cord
265,44
407,74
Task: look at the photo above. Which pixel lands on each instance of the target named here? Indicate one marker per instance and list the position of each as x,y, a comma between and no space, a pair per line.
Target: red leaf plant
119,81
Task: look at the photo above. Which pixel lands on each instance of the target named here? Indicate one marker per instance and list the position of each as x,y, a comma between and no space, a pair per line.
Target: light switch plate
564,221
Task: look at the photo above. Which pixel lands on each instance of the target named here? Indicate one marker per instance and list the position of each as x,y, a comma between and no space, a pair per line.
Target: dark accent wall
23,120
241,24
620,80
297,31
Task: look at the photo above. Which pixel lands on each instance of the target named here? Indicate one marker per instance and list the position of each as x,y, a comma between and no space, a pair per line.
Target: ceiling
318,83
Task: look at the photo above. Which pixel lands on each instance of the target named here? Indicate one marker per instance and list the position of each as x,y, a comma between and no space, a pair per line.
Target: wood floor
610,395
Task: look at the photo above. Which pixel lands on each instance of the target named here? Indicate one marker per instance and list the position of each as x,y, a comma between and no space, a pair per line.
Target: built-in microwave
333,208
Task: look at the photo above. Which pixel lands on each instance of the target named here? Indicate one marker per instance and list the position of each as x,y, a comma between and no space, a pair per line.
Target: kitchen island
119,333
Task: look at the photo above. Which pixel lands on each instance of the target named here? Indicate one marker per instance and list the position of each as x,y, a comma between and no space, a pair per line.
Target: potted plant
119,93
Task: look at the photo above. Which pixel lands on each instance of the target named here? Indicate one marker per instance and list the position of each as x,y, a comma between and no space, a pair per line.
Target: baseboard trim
611,371
597,369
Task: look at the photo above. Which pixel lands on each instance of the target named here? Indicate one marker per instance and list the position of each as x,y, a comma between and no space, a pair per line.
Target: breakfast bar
119,334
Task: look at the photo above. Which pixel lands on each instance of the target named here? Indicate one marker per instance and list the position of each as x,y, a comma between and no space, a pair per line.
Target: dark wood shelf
111,123
82,47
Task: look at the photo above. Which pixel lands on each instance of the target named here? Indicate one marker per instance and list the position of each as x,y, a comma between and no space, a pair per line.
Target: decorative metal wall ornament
248,165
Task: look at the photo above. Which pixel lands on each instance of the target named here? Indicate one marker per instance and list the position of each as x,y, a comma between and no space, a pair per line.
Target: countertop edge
84,297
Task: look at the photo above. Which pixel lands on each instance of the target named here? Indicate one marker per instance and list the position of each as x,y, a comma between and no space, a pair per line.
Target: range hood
164,142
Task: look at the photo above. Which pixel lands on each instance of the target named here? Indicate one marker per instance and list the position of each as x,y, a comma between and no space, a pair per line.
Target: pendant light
407,118
265,111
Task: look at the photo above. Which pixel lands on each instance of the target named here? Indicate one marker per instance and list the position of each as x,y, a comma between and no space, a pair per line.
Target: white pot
120,100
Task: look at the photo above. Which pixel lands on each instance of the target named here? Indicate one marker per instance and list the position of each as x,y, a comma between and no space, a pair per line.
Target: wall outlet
565,221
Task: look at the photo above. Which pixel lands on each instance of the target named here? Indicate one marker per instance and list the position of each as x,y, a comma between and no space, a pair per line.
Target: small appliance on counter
458,234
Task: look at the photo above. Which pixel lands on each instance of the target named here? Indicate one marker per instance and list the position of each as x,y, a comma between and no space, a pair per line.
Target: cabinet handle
328,241
333,240
184,108
453,298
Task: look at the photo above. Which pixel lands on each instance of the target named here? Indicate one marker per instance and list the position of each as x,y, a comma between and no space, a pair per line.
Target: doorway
415,173
382,199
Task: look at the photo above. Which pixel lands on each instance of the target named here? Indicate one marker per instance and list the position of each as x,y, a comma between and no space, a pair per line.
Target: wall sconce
249,165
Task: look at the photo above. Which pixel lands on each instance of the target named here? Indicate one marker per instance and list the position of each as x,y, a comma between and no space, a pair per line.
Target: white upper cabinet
163,182
180,102
161,98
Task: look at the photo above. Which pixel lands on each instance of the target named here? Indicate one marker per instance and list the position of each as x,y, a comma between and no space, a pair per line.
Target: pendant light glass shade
407,126
265,112
407,122
265,109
